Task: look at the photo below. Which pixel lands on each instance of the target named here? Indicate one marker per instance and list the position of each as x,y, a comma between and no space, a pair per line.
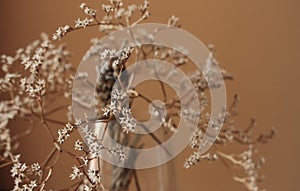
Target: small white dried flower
118,95
76,173
78,145
107,8
82,75
7,59
87,10
96,148
82,5
196,138
129,11
122,155
173,21
87,188
146,15
39,54
111,108
126,52
116,3
120,13
77,121
169,125
144,7
32,185
36,167
29,187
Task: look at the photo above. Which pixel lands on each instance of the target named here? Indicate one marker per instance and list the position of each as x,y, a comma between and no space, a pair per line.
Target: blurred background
257,41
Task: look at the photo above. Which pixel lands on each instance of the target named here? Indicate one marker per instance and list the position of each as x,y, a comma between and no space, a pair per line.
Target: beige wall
256,40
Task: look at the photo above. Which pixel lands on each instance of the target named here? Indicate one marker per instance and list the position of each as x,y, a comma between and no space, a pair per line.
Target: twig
137,184
45,124
6,164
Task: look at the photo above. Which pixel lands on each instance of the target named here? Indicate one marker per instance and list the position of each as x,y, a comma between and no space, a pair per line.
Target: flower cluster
127,121
60,32
33,88
245,161
64,133
83,23
20,172
124,115
116,16
96,148
230,134
117,58
196,157
87,10
119,152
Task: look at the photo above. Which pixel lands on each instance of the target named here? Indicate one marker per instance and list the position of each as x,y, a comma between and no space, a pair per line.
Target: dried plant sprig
231,134
116,16
46,73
